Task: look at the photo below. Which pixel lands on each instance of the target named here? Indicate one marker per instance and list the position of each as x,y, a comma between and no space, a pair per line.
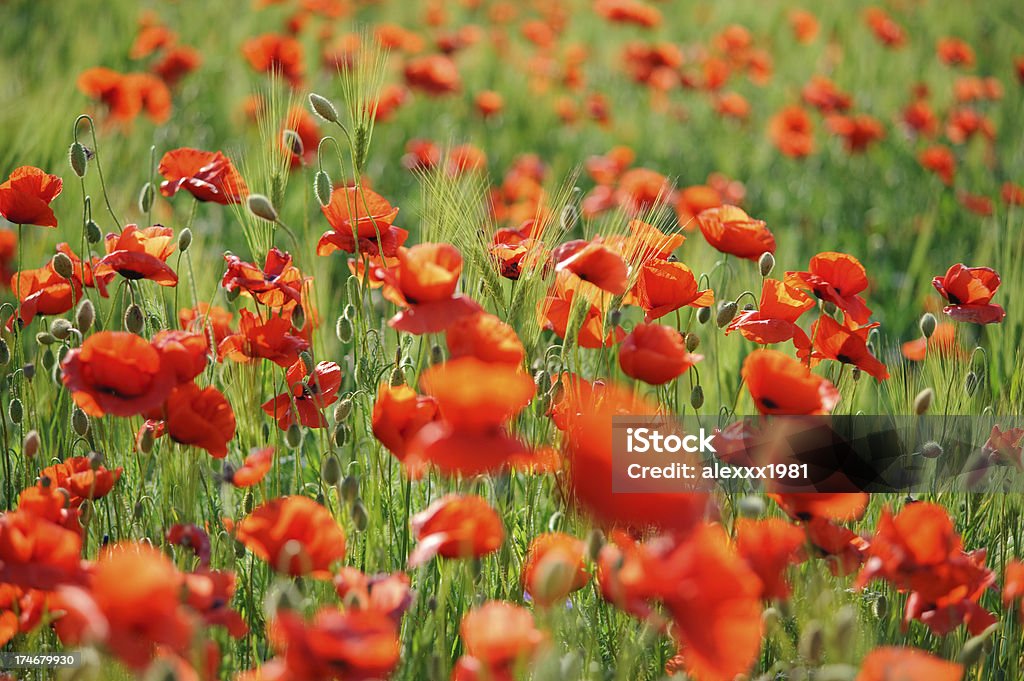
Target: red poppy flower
81,478
1012,194
597,264
846,344
976,203
398,415
200,417
1013,585
792,132
117,373
272,339
774,321
176,63
556,310
555,566
334,645
821,93
655,354
42,292
730,230
456,527
907,664
126,95
780,384
887,31
769,546
308,394
192,538
140,254
50,503
424,284
206,319
209,593
943,341
646,242
692,201
253,469
662,287
274,53
837,278
295,536
183,352
919,118
389,595
497,637
969,291
434,74
361,220
629,12
207,175
278,284
840,506
841,548
858,132
26,195
954,52
36,553
132,606
485,337
804,24
939,160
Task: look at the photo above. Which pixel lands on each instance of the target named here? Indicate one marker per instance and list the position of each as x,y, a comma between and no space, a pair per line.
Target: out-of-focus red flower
207,320
770,546
275,53
804,24
792,132
456,526
253,469
840,506
943,341
126,95
858,132
954,52
26,195
387,594
207,175
498,636
555,566
907,664
308,395
176,63
334,645
36,553
939,160
919,117
976,203
821,93
485,337
434,74
886,30
633,12
295,536
969,291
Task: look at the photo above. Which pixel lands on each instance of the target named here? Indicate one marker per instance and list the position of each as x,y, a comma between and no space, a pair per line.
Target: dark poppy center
769,403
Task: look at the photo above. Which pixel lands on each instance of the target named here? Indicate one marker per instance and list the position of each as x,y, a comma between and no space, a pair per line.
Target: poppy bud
85,315
330,469
343,329
282,596
350,488
147,441
703,315
856,373
96,460
771,618
927,324
60,328
30,446
931,450
751,506
184,239
340,435
28,371
829,308
146,198
436,354
554,578
971,382
812,642
78,159
5,353
352,292
92,232
16,411
542,379
293,142
80,422
260,206
293,436
844,636
397,378
595,542
359,516
62,265
322,187
976,647
45,338
323,107
923,401
880,607
766,263
233,294
134,319
568,218
350,310
726,311
47,360
697,396
86,510
615,317
343,409
307,361
692,341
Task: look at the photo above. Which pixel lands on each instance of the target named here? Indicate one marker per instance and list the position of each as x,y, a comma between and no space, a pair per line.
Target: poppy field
316,316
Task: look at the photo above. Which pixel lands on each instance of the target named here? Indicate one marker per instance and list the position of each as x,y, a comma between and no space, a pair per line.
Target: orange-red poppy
629,12
361,220
858,132
398,415
664,286
887,663
554,567
456,526
655,354
357,644
846,344
424,284
26,195
1013,584
253,469
117,373
309,393
841,548
126,95
694,200
295,536
780,384
273,339
209,593
389,595
140,254
943,341
276,54
595,263
200,417
954,52
485,337
791,130
176,63
498,637
969,291
919,118
837,278
556,310
825,96
769,546
433,74
774,320
804,24
730,230
939,160
207,175
206,319
81,478
277,284
886,30
183,352
807,506
36,553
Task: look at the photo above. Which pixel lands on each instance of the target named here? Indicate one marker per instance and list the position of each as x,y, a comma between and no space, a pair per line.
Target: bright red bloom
81,479
278,284
308,394
126,95
183,352
845,343
663,286
456,527
730,230
485,337
1006,445
1013,585
655,354
821,93
424,285
210,593
26,195
969,291
804,24
837,278
208,320
780,384
774,321
207,175
253,469
555,566
692,201
954,52
295,536
841,506
398,415
36,553
272,339
387,594
907,664
341,646
434,74
177,62
887,31
595,263
274,53
497,636
858,132
792,132
939,160
117,373
361,221
769,546
140,254
629,12
200,417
